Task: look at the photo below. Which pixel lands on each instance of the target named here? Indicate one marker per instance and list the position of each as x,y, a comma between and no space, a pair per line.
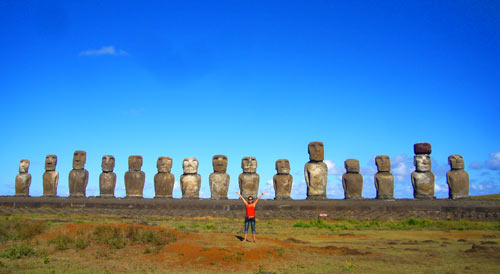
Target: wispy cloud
106,50
332,167
493,161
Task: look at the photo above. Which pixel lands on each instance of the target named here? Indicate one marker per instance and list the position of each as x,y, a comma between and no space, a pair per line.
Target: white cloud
106,50
332,168
476,165
493,161
402,167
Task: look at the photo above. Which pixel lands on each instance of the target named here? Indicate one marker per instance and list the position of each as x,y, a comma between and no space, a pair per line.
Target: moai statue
352,180
23,179
422,178
249,179
78,176
316,172
283,180
107,179
457,178
50,176
190,180
384,180
164,180
219,179
134,177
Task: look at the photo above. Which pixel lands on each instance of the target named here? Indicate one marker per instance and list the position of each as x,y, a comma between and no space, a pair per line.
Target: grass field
37,243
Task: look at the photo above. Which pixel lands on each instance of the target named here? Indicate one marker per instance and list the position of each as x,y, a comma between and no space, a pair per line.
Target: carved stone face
456,162
164,164
351,165
50,162
422,162
135,162
316,151
383,163
283,166
220,163
79,158
190,165
108,163
24,165
249,164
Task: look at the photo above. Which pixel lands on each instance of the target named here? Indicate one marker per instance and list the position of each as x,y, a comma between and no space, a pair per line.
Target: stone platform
363,209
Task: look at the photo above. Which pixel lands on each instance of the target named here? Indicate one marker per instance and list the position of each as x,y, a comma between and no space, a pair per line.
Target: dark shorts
250,221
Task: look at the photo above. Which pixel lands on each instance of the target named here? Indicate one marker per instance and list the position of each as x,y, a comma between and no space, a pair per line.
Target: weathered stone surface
282,181
457,178
249,179
422,179
79,176
164,180
352,180
219,179
384,180
107,179
190,180
134,177
23,179
50,176
316,151
422,148
316,172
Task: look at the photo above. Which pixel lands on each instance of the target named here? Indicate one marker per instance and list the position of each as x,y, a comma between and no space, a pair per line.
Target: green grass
19,251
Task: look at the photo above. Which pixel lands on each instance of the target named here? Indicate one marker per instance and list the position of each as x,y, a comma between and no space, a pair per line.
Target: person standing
250,214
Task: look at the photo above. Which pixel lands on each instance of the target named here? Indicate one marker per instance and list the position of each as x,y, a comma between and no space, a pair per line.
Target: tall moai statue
134,177
422,178
23,179
316,172
352,180
457,178
219,179
107,179
78,176
282,180
50,176
164,180
190,180
249,179
384,180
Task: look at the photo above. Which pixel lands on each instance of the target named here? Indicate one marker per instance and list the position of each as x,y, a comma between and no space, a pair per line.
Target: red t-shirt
250,210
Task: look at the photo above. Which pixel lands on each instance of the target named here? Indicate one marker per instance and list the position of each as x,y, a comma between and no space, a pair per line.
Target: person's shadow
240,238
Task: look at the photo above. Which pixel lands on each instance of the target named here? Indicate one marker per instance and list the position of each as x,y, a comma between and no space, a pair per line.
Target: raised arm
243,199
256,201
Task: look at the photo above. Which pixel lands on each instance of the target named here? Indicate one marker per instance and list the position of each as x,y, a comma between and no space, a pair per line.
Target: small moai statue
282,180
23,179
249,179
164,180
50,176
134,177
316,172
457,178
78,176
219,179
190,180
384,180
422,178
107,179
352,180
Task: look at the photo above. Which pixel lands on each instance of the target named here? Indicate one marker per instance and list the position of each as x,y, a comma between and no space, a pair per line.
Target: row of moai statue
315,172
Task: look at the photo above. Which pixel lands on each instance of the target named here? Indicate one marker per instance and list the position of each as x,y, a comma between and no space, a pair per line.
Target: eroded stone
457,178
164,180
219,179
384,180
282,181
352,180
249,179
78,176
422,178
50,176
316,172
134,177
23,179
107,179
190,180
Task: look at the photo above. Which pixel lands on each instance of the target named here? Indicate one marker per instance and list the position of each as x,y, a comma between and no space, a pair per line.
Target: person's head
250,199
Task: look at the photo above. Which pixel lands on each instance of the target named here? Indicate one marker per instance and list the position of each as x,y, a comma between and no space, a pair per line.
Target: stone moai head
283,166
422,162
352,166
249,164
50,162
316,151
24,165
190,165
220,163
134,163
456,162
79,159
164,164
422,148
108,163
383,163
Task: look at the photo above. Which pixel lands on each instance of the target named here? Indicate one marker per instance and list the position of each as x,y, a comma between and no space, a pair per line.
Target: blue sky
250,78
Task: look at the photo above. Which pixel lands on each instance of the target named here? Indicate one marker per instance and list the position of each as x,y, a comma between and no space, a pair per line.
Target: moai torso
422,178
50,176
23,179
134,177
78,176
457,178
384,180
249,179
282,181
107,179
316,172
164,180
190,180
352,180
219,179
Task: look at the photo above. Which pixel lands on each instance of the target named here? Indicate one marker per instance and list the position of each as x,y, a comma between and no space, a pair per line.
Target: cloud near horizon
105,50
